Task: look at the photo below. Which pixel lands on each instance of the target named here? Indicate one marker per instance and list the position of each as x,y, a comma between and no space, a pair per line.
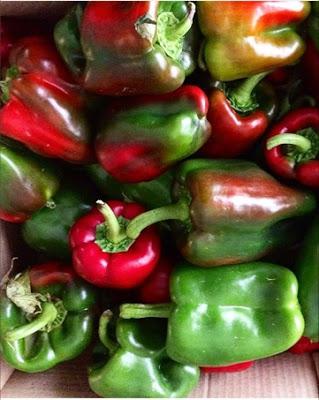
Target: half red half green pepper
46,317
307,273
292,147
149,52
27,183
228,212
102,252
143,137
238,117
43,111
246,38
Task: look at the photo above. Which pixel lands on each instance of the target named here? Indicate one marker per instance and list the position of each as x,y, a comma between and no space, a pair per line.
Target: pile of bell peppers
159,158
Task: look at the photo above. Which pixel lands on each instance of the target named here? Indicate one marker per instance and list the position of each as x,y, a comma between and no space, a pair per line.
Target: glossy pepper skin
307,273
151,39
42,110
27,183
235,313
149,373
47,230
244,39
238,118
298,131
151,194
104,256
66,329
145,136
228,212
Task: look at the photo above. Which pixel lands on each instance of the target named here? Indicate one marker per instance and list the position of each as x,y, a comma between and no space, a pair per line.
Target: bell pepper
38,54
46,317
136,364
155,288
43,111
151,194
47,230
292,147
307,273
151,39
143,137
228,212
246,38
228,315
104,256
239,117
230,368
27,183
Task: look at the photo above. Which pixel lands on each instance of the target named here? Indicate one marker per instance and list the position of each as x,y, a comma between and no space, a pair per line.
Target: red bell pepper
237,120
42,110
155,289
230,368
104,255
292,147
304,345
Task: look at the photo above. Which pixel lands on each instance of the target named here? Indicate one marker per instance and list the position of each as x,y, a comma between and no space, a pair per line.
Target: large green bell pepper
46,317
136,365
228,315
307,272
47,230
228,212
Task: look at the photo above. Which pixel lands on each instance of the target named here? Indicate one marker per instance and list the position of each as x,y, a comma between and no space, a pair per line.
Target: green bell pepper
47,230
152,194
228,315
136,365
46,317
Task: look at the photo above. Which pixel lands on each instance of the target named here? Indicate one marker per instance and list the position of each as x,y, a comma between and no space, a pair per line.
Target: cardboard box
286,375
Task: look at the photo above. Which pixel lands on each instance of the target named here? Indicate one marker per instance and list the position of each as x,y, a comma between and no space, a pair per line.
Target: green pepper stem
179,211
137,311
241,96
48,314
114,232
303,143
179,30
103,333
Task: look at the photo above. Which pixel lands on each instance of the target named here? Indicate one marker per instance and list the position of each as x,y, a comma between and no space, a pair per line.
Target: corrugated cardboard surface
286,375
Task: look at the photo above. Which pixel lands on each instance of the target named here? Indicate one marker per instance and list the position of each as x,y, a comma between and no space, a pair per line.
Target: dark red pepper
155,289
104,255
43,110
237,121
229,368
292,147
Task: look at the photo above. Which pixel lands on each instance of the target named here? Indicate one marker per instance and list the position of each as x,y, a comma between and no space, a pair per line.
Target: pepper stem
137,311
48,314
114,232
103,334
241,97
179,30
303,143
179,211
